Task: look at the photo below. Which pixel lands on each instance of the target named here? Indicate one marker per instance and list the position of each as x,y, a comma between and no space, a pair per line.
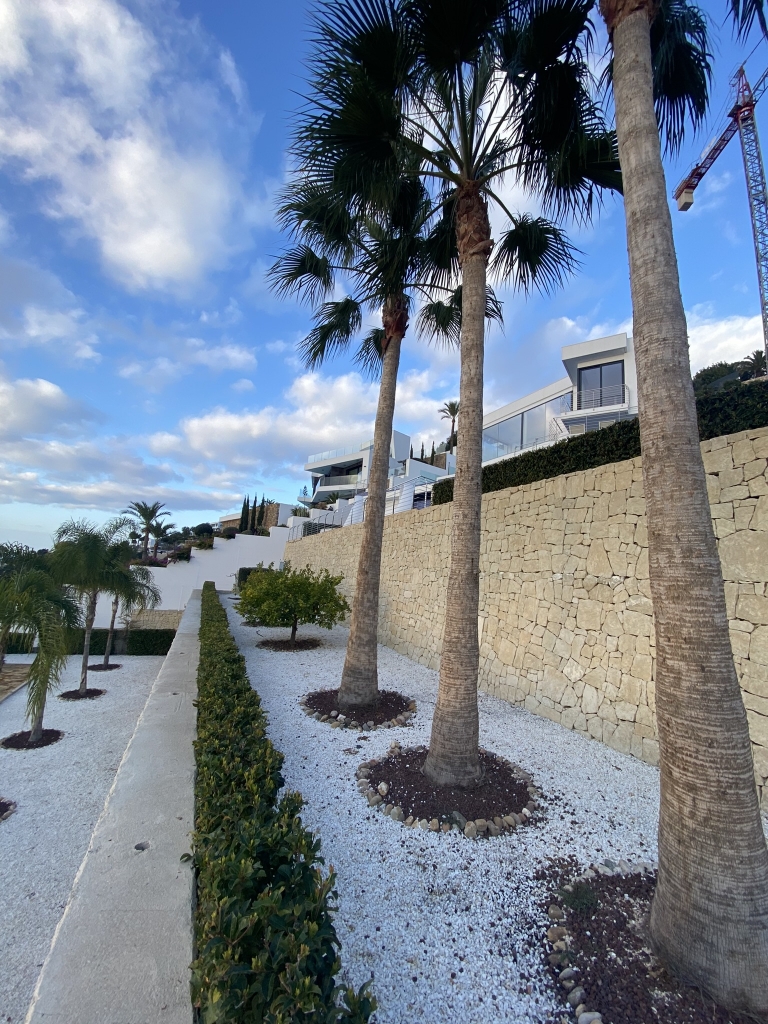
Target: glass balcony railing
337,453
598,398
337,481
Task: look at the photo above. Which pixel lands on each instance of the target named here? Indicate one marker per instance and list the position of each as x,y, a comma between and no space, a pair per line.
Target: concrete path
121,952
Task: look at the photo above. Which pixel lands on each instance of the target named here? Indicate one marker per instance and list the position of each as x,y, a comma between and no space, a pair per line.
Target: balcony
338,453
338,481
600,398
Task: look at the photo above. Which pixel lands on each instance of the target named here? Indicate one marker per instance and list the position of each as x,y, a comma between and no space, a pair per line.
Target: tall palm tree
391,256
449,412
83,559
145,514
709,919
135,590
754,364
35,606
433,83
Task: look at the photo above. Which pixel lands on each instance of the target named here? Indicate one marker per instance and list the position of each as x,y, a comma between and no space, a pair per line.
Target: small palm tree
146,515
33,605
83,559
160,532
135,591
754,364
449,412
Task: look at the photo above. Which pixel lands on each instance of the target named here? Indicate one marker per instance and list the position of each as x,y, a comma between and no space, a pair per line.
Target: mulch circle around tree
7,807
504,800
307,643
103,668
599,952
90,694
20,740
391,709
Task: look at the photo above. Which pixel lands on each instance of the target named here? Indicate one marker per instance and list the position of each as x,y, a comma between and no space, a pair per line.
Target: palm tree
449,412
709,920
146,515
754,364
160,531
390,255
136,590
466,88
34,605
83,558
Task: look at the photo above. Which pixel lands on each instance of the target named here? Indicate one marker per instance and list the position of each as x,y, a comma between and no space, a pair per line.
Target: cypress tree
252,519
422,452
432,456
411,451
244,515
260,520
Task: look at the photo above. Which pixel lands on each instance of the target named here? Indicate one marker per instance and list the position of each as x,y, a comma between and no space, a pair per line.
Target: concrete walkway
122,950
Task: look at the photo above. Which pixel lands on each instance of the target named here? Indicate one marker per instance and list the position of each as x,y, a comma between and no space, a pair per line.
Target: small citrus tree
292,597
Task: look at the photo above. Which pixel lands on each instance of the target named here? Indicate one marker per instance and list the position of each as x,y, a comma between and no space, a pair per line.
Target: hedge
724,412
139,641
266,945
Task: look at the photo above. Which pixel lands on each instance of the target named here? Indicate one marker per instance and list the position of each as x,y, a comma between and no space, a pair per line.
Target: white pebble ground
449,928
60,792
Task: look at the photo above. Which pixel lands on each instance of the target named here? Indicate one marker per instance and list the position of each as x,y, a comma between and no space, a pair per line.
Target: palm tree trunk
360,678
36,730
111,633
145,549
90,615
709,920
453,747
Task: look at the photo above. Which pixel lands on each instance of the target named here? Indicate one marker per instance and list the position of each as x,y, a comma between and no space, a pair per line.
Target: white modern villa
599,389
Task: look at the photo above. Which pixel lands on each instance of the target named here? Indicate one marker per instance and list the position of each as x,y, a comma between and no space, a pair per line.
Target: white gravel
60,792
420,905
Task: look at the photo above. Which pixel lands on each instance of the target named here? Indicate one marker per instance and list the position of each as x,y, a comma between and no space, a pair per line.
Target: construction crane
742,120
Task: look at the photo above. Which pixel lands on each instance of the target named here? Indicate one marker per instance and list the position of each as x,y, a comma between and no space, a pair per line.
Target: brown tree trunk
709,920
36,728
145,549
360,679
111,633
294,627
453,747
90,615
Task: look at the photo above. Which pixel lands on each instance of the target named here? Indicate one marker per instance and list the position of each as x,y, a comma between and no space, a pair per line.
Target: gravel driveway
449,928
60,791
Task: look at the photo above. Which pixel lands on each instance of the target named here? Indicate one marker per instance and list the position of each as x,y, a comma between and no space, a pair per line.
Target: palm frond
744,14
336,324
303,272
682,69
370,354
533,253
440,322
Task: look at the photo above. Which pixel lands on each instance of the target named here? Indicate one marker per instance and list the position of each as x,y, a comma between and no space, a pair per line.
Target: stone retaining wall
565,612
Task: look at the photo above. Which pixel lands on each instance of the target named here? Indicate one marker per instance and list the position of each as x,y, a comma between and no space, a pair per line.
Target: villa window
601,385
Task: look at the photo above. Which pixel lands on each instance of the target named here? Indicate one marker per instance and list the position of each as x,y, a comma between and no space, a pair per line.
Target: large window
534,426
601,385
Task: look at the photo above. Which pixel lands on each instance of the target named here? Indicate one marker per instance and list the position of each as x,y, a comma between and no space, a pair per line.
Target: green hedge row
266,945
724,412
139,641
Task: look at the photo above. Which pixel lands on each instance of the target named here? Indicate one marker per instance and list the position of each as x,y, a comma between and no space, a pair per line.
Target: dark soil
389,705
501,792
307,643
20,740
103,668
89,694
606,919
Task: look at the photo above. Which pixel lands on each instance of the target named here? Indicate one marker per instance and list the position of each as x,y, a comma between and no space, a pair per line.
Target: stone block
642,667
739,643
597,560
743,452
758,728
625,711
591,699
755,679
736,493
744,555
758,486
589,615
507,651
717,461
753,469
723,510
651,751
758,646
553,685
637,624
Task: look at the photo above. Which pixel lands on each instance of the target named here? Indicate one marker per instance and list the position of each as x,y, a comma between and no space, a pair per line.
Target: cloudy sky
142,355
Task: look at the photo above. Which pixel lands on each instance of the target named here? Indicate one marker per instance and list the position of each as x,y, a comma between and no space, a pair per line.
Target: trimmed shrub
149,641
205,542
291,597
229,533
244,573
744,407
180,555
266,944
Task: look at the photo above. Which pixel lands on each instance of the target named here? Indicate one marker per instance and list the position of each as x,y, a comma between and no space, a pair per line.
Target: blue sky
142,355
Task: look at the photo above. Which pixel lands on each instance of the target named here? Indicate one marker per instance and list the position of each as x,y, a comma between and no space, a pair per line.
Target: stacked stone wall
566,619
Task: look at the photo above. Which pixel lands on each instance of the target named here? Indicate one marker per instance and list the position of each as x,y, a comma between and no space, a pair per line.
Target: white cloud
36,407
184,356
244,384
277,346
130,148
725,340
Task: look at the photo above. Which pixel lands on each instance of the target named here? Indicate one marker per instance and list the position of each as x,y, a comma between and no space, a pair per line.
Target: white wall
176,582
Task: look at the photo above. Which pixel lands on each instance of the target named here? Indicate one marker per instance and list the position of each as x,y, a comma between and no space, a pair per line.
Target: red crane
742,120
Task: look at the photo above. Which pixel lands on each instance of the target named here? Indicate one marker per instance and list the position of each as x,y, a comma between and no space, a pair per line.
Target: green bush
140,641
244,573
290,597
21,643
265,940
744,407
